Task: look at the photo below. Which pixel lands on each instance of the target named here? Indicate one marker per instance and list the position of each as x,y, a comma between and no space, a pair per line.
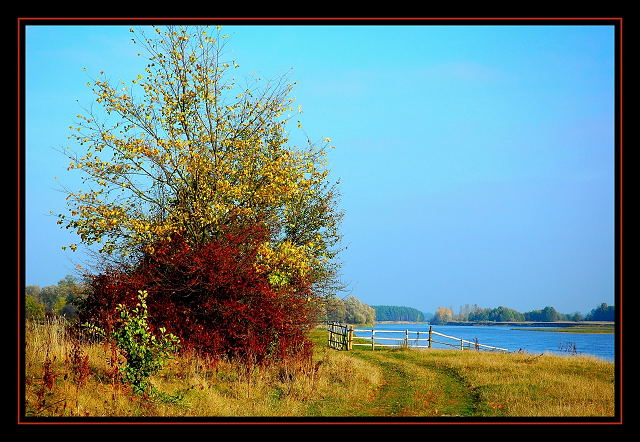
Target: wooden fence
341,337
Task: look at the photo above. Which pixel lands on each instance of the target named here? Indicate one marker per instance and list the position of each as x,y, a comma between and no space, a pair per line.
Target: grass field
360,383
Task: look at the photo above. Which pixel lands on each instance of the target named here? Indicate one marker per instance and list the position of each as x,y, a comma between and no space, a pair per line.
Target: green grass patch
608,329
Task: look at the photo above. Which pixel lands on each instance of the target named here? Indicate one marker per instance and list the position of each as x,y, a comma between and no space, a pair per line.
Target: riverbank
589,329
555,324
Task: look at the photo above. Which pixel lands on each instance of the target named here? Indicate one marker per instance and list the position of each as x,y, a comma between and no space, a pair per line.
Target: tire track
421,387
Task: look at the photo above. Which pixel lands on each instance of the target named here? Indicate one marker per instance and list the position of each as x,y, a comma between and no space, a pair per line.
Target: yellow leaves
284,262
185,156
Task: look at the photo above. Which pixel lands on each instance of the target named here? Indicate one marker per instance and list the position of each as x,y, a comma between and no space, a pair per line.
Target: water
601,345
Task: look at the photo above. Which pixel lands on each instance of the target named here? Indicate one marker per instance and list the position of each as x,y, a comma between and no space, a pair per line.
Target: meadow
67,378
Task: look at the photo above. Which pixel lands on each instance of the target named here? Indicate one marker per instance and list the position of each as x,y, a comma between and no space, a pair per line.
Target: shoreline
512,324
537,323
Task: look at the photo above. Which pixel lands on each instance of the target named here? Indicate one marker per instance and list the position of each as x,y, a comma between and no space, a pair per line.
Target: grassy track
483,384
475,384
416,388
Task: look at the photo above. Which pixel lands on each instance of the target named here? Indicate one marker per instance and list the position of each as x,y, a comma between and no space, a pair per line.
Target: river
600,345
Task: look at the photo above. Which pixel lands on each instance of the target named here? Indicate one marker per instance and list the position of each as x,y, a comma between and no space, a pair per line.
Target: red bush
212,298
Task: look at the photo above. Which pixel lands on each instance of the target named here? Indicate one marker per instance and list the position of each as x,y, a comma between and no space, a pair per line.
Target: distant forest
63,299
398,313
603,312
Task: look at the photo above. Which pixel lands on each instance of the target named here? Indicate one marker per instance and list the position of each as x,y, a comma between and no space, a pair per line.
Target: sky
476,163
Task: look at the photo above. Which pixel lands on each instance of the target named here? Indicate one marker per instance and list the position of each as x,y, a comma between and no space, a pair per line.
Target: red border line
620,296
18,219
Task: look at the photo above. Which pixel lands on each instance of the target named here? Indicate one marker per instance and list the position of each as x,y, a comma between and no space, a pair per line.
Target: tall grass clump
70,373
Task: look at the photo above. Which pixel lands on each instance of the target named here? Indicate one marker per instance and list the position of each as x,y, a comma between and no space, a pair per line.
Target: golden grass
328,386
356,383
526,385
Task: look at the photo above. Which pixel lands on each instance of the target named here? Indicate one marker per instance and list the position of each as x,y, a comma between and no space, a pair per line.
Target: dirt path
419,387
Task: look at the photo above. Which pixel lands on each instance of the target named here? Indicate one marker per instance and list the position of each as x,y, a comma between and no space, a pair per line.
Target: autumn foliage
213,297
195,192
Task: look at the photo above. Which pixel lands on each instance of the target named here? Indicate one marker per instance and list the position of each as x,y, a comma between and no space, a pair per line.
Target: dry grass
326,386
526,385
358,383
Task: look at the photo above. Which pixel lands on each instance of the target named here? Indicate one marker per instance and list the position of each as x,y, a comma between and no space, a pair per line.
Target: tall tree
184,150
442,315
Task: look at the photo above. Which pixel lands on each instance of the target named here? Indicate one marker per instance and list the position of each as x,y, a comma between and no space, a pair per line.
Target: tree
576,316
442,315
184,150
34,309
195,195
49,297
397,313
603,312
504,314
464,313
336,310
59,299
212,298
547,314
357,312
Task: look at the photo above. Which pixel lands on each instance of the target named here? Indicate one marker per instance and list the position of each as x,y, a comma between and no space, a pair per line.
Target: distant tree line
64,299
349,310
603,312
61,299
397,313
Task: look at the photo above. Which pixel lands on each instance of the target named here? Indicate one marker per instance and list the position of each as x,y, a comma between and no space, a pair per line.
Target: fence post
373,342
344,344
334,335
406,338
350,339
429,336
461,344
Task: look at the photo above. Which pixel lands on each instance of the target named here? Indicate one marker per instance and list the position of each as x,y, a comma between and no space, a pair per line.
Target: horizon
455,309
476,163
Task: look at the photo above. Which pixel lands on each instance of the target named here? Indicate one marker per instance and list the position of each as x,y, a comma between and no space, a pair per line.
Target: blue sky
476,162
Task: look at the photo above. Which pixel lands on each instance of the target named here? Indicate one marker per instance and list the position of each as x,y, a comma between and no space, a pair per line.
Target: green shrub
34,309
145,353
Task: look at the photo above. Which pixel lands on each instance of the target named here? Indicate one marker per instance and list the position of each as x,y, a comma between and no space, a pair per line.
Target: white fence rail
341,337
